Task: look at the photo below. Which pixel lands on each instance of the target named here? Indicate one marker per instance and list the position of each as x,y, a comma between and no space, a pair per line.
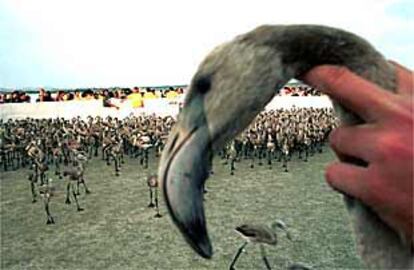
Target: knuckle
387,145
336,76
327,76
403,111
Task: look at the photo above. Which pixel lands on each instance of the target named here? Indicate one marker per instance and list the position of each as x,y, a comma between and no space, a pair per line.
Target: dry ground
118,231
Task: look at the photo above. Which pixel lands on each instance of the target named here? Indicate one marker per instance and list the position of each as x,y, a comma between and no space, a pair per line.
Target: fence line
162,107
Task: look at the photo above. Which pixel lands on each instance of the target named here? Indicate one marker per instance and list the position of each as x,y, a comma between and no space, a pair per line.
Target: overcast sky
81,43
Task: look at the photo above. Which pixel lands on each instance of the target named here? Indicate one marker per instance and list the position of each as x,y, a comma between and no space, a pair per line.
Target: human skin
385,142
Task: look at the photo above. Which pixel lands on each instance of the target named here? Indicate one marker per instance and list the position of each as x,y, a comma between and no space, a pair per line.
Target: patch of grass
118,231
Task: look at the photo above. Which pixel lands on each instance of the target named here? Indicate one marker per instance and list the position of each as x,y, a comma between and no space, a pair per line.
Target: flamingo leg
87,191
239,252
68,193
151,204
50,219
76,199
158,215
32,188
262,251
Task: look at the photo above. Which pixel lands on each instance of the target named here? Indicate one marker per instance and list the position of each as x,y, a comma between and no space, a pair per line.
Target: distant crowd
14,97
303,90
136,95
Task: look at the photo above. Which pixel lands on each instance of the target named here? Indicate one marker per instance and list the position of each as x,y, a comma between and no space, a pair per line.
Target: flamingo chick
259,234
152,182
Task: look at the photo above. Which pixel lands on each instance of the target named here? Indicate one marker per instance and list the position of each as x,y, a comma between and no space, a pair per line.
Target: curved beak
184,167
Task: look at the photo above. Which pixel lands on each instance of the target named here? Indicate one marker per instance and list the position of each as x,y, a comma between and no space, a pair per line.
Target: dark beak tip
200,243
205,251
207,256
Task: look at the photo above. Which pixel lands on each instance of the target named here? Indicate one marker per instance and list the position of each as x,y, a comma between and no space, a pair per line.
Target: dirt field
118,231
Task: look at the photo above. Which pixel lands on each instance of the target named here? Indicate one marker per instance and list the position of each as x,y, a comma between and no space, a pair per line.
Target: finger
348,179
405,79
355,141
352,91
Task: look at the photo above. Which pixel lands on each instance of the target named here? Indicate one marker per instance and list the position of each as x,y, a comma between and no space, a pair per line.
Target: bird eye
203,85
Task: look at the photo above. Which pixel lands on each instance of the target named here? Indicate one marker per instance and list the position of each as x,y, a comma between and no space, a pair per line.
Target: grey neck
302,47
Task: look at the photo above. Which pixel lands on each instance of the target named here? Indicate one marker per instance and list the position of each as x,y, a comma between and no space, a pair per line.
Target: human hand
385,142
